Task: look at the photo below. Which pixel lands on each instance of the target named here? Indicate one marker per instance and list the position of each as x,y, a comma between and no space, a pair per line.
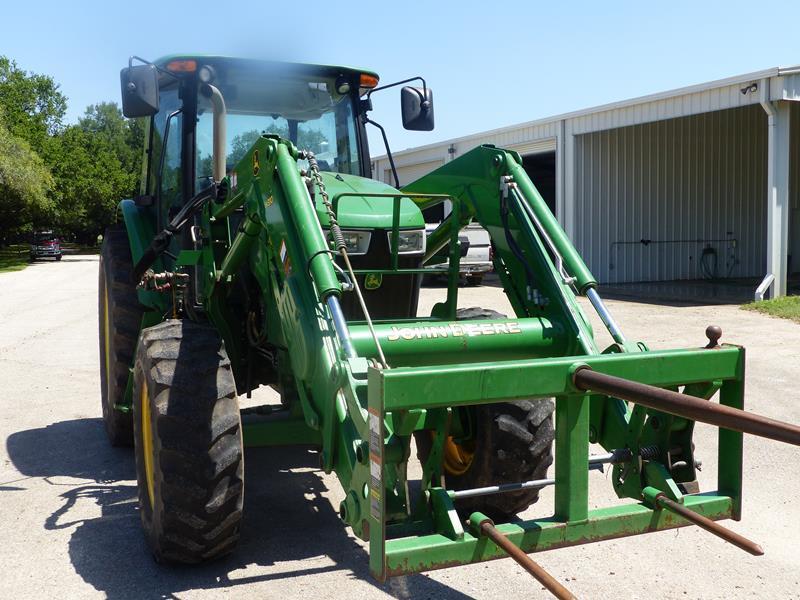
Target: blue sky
490,64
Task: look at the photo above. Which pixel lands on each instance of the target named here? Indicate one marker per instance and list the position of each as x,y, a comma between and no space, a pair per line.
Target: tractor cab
206,112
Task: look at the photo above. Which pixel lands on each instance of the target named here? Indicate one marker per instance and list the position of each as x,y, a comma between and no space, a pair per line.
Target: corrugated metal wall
683,184
794,189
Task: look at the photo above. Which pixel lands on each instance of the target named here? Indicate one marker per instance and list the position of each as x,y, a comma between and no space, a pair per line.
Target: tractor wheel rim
457,457
147,445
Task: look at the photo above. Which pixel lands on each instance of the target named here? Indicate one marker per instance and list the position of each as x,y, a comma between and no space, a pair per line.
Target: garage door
408,173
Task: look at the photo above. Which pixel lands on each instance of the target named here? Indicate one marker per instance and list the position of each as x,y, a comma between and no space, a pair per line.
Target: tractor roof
304,68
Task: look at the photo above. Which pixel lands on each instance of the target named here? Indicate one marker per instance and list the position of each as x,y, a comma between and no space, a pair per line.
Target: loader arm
495,191
361,389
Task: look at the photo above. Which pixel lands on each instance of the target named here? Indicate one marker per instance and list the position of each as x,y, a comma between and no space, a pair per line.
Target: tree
307,139
24,185
34,107
96,164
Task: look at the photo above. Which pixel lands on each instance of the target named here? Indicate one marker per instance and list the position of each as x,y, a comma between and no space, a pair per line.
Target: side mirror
139,91
416,105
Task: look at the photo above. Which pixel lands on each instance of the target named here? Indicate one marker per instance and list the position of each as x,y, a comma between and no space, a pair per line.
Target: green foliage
14,258
34,107
96,164
68,178
787,307
307,139
243,142
25,183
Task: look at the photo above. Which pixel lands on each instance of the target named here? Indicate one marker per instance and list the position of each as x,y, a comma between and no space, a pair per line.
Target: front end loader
259,252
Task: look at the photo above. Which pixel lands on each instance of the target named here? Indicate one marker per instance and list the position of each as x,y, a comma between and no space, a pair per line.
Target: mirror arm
386,144
396,83
147,62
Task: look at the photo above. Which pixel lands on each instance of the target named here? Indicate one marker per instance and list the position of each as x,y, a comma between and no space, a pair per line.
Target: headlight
357,241
409,242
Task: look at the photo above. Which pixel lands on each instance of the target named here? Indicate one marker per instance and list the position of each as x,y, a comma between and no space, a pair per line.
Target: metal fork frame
449,544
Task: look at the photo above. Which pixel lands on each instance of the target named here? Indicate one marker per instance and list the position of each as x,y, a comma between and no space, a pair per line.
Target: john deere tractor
259,252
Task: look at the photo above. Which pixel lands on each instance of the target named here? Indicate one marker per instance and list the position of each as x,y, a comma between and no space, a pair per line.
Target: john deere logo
373,281
256,164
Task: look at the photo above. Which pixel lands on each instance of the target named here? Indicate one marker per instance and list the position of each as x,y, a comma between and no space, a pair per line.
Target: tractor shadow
288,520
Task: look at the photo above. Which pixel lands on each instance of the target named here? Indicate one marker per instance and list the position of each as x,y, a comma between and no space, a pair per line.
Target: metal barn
695,183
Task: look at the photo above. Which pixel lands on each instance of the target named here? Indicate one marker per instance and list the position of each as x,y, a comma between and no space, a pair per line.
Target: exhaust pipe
219,153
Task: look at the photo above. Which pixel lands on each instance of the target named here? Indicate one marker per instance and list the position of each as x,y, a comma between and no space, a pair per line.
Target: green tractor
260,253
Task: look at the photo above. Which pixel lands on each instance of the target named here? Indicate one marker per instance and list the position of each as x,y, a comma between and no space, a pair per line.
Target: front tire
120,316
189,451
511,442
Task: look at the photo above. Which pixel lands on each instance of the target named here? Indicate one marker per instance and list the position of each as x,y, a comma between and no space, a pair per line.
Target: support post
568,180
778,210
572,458
729,469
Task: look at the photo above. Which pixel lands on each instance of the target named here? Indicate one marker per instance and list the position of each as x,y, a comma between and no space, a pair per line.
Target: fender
140,226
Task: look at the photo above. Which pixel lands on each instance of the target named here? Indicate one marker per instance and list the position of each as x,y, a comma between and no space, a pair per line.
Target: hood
359,212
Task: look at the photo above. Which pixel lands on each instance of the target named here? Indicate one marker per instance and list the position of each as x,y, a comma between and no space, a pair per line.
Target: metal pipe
762,288
219,152
711,526
565,277
488,529
605,315
686,406
340,325
499,489
363,304
772,113
572,259
595,462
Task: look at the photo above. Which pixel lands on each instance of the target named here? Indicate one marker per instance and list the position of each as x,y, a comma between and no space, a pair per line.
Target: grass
14,258
787,307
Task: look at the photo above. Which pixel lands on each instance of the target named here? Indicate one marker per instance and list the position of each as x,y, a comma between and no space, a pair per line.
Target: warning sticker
375,464
285,259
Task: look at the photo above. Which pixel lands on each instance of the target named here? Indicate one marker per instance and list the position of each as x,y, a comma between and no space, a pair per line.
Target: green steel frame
573,523
363,417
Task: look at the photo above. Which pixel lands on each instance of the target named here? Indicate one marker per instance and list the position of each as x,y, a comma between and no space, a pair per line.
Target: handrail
762,288
397,197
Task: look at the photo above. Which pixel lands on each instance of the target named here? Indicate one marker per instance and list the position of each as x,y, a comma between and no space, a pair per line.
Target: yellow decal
372,281
256,164
270,201
452,330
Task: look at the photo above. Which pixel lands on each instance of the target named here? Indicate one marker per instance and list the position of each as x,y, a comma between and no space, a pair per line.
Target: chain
336,231
341,246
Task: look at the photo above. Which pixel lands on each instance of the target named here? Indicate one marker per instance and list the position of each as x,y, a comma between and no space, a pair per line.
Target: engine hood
359,212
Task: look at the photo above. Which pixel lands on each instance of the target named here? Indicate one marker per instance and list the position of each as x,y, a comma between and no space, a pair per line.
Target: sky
490,64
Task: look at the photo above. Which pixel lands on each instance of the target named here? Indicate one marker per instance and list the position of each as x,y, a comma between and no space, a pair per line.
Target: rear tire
512,442
475,280
58,258
120,316
189,451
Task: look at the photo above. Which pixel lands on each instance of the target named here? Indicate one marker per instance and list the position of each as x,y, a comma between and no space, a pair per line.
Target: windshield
305,110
